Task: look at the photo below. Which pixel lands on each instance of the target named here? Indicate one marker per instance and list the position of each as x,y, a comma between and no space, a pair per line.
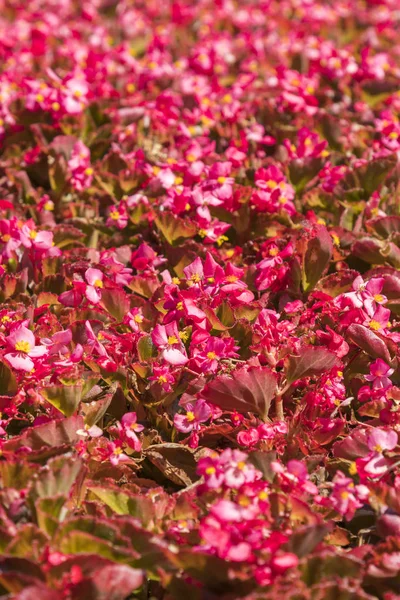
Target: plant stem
279,407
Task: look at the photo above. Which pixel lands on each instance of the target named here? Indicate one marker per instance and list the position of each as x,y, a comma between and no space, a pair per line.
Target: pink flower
194,272
163,376
365,294
379,374
115,454
80,167
207,359
346,497
130,429
39,240
166,338
195,415
92,431
377,319
212,471
380,440
237,470
117,217
94,277
22,341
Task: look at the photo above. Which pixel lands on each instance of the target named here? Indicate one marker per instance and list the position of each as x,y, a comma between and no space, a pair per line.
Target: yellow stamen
23,346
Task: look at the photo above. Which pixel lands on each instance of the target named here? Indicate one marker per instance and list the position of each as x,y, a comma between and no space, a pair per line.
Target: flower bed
200,299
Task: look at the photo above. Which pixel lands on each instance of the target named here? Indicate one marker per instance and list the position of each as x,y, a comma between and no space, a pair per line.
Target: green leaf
145,348
8,383
174,229
16,474
124,503
58,477
65,398
80,542
28,542
116,302
48,513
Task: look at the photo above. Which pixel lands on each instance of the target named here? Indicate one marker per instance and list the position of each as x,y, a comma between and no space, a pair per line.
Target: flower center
114,215
273,251
162,379
23,346
33,235
210,470
378,298
6,237
378,448
241,465
353,469
244,501
98,283
190,416
172,339
232,278
221,179
195,278
211,355
375,325
184,336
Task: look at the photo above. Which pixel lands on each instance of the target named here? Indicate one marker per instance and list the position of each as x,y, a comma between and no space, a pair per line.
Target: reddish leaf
312,361
54,433
368,341
112,582
316,257
246,390
353,446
